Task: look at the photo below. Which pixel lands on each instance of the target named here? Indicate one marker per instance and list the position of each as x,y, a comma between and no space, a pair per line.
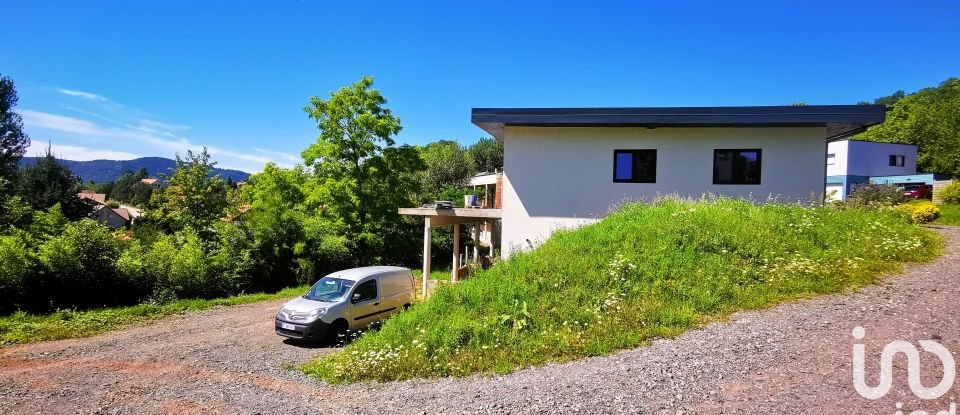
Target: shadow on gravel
311,344
341,341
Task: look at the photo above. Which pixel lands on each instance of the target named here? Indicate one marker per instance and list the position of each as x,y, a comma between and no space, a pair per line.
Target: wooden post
456,252
476,241
427,244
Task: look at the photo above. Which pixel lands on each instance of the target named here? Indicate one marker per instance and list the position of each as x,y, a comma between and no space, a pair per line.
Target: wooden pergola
433,218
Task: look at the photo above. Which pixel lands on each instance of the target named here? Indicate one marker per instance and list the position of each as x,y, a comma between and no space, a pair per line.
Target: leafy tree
47,183
13,141
286,248
129,187
79,266
360,176
194,198
15,214
448,164
890,99
487,155
18,264
929,119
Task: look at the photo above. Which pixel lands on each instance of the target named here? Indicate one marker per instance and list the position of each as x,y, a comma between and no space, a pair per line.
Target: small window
897,161
736,166
365,291
635,166
831,159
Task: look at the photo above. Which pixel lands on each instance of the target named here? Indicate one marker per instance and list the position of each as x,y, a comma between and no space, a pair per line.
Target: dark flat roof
839,120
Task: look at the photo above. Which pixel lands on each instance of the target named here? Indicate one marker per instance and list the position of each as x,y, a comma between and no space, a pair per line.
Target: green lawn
443,275
949,215
23,327
644,272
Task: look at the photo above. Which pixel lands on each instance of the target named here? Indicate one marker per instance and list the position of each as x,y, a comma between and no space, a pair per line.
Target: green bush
644,272
951,193
182,266
78,267
869,194
17,265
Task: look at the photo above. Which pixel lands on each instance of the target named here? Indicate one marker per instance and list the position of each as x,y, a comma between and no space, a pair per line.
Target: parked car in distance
918,191
347,300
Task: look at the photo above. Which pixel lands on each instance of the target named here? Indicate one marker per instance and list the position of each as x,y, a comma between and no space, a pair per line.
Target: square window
831,159
897,161
635,166
737,166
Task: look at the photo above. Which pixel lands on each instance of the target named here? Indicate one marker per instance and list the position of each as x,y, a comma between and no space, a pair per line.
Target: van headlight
317,312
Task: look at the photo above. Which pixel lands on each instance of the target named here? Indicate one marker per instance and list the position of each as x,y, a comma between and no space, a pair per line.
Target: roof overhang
840,120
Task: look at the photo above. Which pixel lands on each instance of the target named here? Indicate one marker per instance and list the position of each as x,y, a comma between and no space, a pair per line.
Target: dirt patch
225,360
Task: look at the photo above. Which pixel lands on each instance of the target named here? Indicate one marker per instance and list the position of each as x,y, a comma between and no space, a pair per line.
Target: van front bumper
314,330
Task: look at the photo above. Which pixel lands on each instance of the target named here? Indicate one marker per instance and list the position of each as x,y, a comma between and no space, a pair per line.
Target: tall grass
949,214
644,272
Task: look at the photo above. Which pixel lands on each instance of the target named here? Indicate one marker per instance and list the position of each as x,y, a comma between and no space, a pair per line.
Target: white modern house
853,162
564,167
569,166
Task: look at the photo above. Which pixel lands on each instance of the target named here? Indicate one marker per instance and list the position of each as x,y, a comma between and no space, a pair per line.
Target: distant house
112,217
151,181
92,198
854,162
134,212
238,216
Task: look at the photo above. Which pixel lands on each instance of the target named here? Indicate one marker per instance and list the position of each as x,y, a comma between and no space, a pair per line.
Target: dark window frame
633,176
356,289
734,151
833,159
897,160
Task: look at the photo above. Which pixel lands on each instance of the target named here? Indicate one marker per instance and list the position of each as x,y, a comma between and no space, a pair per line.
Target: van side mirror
356,297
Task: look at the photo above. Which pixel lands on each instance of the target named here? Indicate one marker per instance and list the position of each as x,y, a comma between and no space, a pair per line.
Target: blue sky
120,79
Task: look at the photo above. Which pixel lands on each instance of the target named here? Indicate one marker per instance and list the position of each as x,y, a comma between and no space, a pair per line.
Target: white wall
562,177
864,158
840,150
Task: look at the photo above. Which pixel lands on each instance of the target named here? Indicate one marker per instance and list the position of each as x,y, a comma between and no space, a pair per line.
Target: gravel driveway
793,358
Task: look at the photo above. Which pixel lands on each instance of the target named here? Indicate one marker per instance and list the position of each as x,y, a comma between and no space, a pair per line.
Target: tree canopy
487,155
448,164
47,183
13,141
194,198
929,119
360,175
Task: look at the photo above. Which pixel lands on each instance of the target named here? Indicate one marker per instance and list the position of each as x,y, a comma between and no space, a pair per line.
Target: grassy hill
101,171
644,272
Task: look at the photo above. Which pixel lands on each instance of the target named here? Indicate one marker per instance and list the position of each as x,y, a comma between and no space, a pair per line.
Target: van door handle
376,303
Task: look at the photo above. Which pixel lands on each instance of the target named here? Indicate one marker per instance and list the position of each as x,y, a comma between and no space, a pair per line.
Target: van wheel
406,307
338,333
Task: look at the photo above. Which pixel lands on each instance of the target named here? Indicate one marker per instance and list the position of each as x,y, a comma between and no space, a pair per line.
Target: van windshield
329,289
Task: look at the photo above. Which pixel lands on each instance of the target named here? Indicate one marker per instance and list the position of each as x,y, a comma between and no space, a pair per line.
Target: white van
346,300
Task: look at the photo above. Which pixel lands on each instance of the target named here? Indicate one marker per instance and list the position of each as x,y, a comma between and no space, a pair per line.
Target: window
635,166
831,159
897,161
736,166
365,291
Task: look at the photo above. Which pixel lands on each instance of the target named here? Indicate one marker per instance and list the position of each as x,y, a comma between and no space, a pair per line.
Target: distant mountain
101,171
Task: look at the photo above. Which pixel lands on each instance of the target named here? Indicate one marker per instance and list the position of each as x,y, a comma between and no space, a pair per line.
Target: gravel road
794,358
